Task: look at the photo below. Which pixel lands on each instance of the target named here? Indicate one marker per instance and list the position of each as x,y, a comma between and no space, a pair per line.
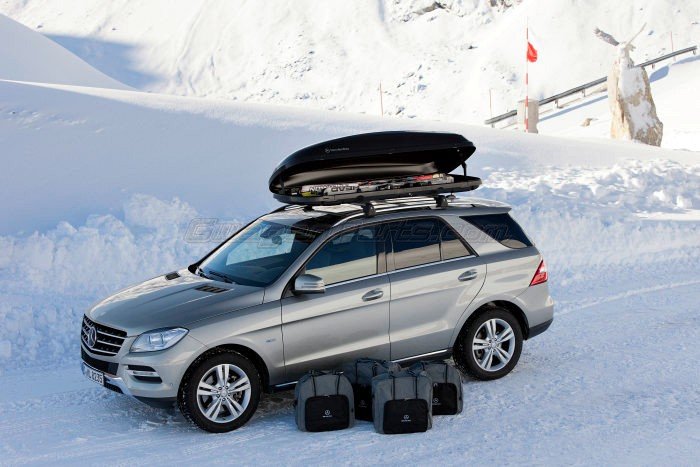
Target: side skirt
437,355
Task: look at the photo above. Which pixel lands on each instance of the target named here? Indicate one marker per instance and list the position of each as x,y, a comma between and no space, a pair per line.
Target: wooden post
381,100
674,58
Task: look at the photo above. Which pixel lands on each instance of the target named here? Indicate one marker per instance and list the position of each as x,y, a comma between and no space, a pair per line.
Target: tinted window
350,255
452,246
502,228
415,242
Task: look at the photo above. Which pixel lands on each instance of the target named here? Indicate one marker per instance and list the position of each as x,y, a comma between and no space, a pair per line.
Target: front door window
350,255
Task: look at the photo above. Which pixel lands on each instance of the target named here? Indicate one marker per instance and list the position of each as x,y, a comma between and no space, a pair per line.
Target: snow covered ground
98,187
612,383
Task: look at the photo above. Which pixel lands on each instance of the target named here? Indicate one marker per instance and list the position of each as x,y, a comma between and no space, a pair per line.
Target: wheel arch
247,352
511,307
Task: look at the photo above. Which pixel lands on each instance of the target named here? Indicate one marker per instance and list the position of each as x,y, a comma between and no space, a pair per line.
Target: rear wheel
490,347
221,392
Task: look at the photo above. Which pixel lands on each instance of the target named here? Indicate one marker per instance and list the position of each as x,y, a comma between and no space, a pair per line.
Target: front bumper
113,382
122,372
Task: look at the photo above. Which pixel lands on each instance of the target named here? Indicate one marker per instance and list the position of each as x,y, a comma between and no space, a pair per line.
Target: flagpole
527,87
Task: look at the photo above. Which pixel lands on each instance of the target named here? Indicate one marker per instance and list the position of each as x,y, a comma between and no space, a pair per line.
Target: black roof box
374,156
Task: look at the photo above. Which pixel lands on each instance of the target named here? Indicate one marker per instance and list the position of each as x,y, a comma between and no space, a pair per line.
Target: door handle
468,275
373,295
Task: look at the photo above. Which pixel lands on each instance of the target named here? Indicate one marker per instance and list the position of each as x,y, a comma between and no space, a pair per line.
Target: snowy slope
98,147
26,55
434,62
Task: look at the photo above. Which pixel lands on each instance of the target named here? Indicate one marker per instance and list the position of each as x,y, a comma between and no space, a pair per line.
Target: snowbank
585,220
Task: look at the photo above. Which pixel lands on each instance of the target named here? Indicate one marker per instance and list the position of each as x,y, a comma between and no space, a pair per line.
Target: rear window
502,228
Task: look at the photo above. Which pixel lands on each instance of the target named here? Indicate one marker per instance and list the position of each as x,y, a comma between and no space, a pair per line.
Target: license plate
94,375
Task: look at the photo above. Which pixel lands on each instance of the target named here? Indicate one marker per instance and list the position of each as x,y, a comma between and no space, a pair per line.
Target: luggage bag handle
393,384
319,373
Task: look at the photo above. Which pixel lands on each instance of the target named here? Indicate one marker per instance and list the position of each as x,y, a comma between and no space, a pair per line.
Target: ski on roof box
374,166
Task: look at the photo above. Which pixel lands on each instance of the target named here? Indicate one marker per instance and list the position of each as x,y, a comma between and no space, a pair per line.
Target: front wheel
490,347
221,392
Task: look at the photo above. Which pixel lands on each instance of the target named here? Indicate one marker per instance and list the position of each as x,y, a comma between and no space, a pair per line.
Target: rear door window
451,245
502,228
415,242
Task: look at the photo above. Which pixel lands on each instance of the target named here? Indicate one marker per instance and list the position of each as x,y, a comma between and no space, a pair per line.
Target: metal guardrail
583,87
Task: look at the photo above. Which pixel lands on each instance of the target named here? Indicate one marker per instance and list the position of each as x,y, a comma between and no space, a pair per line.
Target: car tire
485,335
220,392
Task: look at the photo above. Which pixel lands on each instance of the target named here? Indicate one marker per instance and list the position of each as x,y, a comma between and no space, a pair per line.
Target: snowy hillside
436,60
28,56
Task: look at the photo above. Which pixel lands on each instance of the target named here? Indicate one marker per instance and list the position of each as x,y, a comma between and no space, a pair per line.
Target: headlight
158,339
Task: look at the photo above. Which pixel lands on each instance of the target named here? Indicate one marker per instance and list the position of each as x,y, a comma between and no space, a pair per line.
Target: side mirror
308,283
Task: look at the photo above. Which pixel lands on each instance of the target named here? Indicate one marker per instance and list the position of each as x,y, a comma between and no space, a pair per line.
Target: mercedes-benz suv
308,288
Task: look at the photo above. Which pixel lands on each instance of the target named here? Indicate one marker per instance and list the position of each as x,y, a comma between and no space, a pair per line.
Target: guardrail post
533,115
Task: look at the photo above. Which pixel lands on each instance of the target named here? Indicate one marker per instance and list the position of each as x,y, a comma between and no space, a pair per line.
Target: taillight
540,275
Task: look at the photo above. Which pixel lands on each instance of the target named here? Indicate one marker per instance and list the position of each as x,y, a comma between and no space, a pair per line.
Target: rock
629,95
631,103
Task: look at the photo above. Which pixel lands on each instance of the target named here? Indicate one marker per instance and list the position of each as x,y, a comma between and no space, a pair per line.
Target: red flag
531,53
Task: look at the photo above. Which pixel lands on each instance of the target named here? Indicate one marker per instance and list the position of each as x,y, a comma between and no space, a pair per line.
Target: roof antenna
441,201
368,209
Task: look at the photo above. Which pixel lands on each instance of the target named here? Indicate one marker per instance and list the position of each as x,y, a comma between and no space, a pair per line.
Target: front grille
109,340
107,367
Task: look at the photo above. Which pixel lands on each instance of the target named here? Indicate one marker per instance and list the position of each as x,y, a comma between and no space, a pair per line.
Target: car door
351,318
434,277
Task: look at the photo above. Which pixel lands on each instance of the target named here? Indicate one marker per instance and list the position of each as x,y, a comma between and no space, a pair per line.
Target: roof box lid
372,156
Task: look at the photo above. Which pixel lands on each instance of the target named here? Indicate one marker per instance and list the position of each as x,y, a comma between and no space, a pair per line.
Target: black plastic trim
539,329
157,402
101,365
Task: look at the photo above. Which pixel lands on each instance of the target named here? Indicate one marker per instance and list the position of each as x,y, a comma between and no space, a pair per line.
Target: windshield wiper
221,275
200,272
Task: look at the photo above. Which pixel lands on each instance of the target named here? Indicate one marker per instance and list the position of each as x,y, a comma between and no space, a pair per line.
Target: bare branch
604,36
635,36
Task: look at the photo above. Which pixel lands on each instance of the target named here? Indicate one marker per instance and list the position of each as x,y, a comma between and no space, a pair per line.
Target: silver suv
308,288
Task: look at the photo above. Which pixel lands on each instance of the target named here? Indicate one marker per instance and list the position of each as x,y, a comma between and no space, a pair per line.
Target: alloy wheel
223,393
493,344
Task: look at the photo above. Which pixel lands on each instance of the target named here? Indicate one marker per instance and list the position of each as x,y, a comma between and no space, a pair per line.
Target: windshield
258,254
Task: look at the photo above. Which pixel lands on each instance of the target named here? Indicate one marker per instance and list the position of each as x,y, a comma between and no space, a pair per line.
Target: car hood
159,303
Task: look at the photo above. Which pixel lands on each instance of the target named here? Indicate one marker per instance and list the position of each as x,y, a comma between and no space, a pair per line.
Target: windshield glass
258,254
